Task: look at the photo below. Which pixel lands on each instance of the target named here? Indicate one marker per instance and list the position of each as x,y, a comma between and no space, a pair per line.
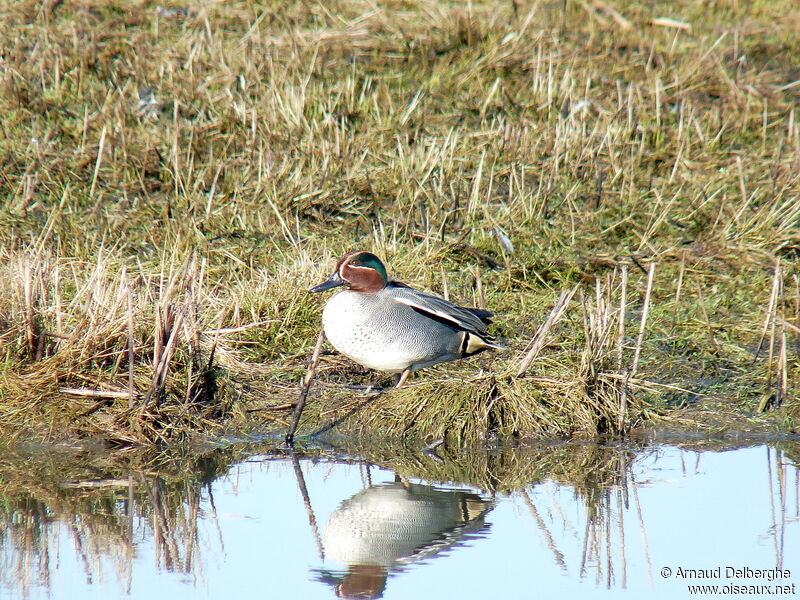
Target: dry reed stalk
772,329
790,326
623,392
623,300
712,342
215,340
97,164
783,371
57,297
161,370
29,310
770,326
643,322
587,335
678,289
94,393
796,326
192,331
131,345
169,322
769,314
480,296
312,368
246,327
158,336
602,314
771,322
540,337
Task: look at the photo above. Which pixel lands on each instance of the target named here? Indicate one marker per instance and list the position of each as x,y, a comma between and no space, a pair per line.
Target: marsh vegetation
174,178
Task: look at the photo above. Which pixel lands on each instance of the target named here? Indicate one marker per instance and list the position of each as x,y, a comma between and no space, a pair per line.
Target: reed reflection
100,508
584,502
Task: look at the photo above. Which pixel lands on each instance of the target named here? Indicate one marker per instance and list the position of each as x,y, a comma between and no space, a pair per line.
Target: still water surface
572,520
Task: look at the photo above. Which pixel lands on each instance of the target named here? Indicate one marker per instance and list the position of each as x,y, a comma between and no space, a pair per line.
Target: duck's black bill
330,283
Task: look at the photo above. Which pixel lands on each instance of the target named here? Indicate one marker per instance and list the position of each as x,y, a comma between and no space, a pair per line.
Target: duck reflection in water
389,526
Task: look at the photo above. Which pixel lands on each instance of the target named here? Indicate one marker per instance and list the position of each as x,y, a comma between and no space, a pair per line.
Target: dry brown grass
172,181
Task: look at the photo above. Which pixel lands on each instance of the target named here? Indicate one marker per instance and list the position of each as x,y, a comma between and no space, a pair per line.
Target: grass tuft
173,180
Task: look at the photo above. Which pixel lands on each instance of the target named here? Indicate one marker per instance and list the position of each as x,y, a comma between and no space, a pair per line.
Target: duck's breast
379,333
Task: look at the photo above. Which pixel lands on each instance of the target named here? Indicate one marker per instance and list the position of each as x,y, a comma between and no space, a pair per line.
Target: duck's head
357,270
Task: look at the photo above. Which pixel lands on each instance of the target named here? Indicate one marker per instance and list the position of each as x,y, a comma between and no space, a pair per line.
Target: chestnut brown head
357,270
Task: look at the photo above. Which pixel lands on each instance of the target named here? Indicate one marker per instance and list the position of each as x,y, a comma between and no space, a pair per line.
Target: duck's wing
483,315
472,320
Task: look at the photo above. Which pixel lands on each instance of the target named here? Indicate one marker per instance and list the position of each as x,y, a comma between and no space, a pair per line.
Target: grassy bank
174,178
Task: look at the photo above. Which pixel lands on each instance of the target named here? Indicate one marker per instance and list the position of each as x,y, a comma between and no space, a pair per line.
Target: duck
388,326
387,527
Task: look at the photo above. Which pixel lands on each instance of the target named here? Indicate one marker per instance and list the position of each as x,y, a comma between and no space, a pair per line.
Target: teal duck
388,326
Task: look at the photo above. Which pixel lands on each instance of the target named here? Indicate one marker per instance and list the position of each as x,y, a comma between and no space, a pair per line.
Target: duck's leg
401,379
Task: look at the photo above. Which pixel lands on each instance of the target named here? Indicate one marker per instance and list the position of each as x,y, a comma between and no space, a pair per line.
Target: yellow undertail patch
472,344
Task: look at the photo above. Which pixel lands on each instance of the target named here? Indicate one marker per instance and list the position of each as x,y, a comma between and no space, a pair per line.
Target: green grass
202,168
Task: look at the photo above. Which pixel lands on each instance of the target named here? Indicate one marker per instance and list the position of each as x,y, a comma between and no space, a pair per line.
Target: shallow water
243,522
